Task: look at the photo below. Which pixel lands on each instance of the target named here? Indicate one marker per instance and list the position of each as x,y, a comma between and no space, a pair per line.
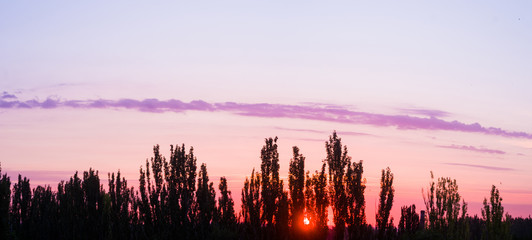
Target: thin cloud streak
474,149
480,166
426,112
267,110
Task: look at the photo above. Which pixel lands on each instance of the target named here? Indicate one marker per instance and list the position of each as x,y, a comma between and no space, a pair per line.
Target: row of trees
175,200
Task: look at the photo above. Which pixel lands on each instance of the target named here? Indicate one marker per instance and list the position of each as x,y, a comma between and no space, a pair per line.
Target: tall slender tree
409,222
321,203
497,225
296,186
5,199
226,204
356,203
442,202
384,227
206,201
20,207
337,160
251,204
270,182
120,202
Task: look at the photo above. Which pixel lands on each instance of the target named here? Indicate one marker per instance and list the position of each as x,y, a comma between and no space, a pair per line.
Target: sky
416,86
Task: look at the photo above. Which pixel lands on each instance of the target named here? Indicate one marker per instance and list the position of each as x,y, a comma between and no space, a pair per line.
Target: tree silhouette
337,160
120,198
181,180
385,227
43,214
282,215
206,201
20,207
356,203
321,202
5,199
409,222
169,204
226,205
251,204
270,184
442,202
497,226
296,185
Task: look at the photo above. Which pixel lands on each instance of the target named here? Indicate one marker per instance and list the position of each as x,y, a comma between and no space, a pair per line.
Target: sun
306,221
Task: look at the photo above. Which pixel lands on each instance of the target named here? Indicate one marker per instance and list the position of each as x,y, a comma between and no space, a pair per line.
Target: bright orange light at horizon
306,221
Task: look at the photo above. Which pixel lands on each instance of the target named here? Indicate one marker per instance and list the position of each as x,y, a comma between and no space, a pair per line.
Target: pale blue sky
345,52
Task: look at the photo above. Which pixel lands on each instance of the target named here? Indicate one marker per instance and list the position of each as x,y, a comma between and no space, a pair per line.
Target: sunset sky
415,86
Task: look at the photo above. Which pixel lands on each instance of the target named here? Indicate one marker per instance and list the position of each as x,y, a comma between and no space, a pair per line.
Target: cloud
300,130
425,112
6,95
338,114
474,149
481,166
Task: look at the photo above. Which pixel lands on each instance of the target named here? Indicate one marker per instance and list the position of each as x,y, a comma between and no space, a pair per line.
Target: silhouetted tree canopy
176,201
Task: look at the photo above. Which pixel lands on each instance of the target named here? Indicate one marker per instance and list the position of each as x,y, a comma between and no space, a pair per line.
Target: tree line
175,200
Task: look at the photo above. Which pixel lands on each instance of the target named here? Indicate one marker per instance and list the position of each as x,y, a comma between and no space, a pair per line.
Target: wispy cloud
6,95
300,130
337,114
480,166
425,112
474,149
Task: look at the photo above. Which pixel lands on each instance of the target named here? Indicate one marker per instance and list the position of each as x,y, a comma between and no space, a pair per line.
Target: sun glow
306,221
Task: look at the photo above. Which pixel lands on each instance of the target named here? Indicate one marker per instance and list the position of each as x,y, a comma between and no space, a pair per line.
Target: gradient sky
413,85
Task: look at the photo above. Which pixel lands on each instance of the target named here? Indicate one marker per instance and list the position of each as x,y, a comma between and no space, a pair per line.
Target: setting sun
306,221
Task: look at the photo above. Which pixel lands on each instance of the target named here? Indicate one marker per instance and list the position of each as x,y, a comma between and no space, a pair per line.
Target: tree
20,207
337,161
5,198
226,204
356,203
442,202
409,222
270,183
282,215
180,174
321,202
43,214
251,204
384,227
296,186
497,225
92,203
206,201
120,200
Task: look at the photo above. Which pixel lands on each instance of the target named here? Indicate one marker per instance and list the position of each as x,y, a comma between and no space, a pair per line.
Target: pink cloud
474,149
310,112
426,112
481,166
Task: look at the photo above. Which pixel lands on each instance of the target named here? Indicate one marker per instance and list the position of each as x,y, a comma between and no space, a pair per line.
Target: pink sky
48,140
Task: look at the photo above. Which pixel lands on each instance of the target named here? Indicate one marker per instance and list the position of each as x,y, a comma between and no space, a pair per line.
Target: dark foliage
174,201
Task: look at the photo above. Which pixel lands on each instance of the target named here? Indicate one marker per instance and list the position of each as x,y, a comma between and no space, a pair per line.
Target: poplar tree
5,199
206,200
321,203
337,160
497,225
385,227
356,203
270,183
226,204
296,186
251,204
